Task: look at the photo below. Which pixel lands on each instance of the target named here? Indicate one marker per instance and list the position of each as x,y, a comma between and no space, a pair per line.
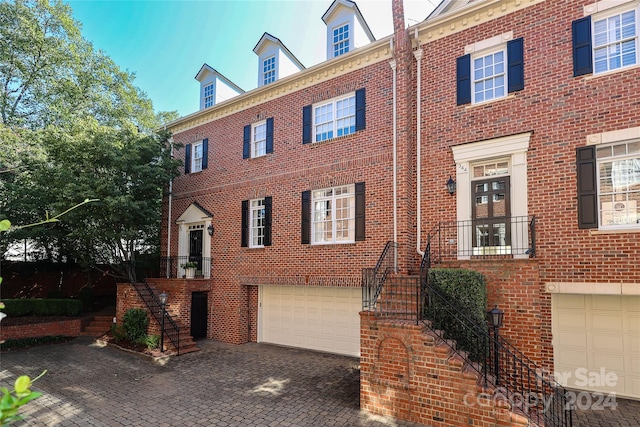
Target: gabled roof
195,212
448,6
208,69
351,5
268,38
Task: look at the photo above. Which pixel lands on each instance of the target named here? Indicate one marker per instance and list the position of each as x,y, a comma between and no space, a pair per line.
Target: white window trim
514,148
350,195
612,138
502,48
195,169
334,121
274,71
206,97
253,140
254,209
605,10
348,39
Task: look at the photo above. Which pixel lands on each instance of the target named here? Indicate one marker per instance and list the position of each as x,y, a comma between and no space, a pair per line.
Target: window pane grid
196,165
269,70
619,184
344,122
340,40
257,223
259,140
489,77
208,95
333,215
615,42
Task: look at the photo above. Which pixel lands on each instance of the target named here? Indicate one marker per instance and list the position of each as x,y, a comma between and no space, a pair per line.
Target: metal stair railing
373,278
152,301
499,364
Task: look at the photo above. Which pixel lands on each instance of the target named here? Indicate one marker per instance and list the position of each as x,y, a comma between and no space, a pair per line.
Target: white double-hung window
208,95
615,41
259,139
196,157
335,118
257,219
269,70
489,76
333,215
341,40
618,168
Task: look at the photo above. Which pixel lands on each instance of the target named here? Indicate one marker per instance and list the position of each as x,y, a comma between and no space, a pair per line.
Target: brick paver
221,385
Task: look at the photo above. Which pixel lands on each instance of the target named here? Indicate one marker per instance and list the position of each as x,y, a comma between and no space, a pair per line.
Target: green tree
75,126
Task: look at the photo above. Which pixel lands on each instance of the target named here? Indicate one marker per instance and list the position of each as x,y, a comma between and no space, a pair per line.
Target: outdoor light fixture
163,304
451,185
496,317
210,230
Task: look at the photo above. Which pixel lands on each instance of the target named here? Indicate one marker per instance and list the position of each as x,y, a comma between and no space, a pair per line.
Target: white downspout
418,55
169,217
393,65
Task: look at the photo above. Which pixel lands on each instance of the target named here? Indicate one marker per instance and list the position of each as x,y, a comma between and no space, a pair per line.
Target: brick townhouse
529,106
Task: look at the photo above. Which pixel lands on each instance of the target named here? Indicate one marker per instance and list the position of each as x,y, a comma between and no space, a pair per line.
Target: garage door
325,319
595,336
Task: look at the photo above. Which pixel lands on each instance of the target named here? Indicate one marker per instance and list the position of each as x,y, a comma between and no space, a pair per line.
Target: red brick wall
408,374
68,328
292,168
560,110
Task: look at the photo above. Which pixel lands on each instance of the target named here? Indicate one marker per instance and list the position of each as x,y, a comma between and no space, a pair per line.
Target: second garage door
315,318
596,342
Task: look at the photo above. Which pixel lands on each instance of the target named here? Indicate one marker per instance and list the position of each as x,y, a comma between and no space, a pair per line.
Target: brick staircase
398,298
98,325
148,295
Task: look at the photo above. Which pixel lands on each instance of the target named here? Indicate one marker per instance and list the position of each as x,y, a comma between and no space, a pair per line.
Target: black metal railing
501,366
159,313
513,237
373,278
176,267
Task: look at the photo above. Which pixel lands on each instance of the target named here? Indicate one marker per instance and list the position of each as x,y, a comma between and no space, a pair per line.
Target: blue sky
166,42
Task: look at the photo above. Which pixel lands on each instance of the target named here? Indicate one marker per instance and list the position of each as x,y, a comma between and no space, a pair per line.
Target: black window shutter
306,124
361,104
360,208
267,221
582,51
246,142
205,153
306,218
515,63
587,187
270,135
463,79
187,159
245,224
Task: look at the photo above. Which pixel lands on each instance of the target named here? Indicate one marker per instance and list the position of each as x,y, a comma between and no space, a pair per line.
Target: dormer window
340,40
269,70
208,95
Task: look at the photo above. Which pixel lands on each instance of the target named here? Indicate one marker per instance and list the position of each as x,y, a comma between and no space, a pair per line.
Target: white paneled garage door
594,336
316,318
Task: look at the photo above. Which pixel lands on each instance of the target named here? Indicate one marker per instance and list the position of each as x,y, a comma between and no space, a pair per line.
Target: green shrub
118,332
135,322
17,343
466,290
151,341
42,307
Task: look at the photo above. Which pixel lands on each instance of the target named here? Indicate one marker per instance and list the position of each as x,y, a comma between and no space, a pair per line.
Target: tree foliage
73,126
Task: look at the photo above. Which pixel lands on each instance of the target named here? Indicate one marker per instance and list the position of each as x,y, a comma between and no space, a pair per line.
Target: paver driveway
221,385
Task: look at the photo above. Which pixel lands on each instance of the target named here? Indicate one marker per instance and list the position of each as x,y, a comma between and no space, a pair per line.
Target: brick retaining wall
68,328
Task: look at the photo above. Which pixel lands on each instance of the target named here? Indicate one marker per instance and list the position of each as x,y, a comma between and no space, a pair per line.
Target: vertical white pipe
393,64
169,217
418,55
